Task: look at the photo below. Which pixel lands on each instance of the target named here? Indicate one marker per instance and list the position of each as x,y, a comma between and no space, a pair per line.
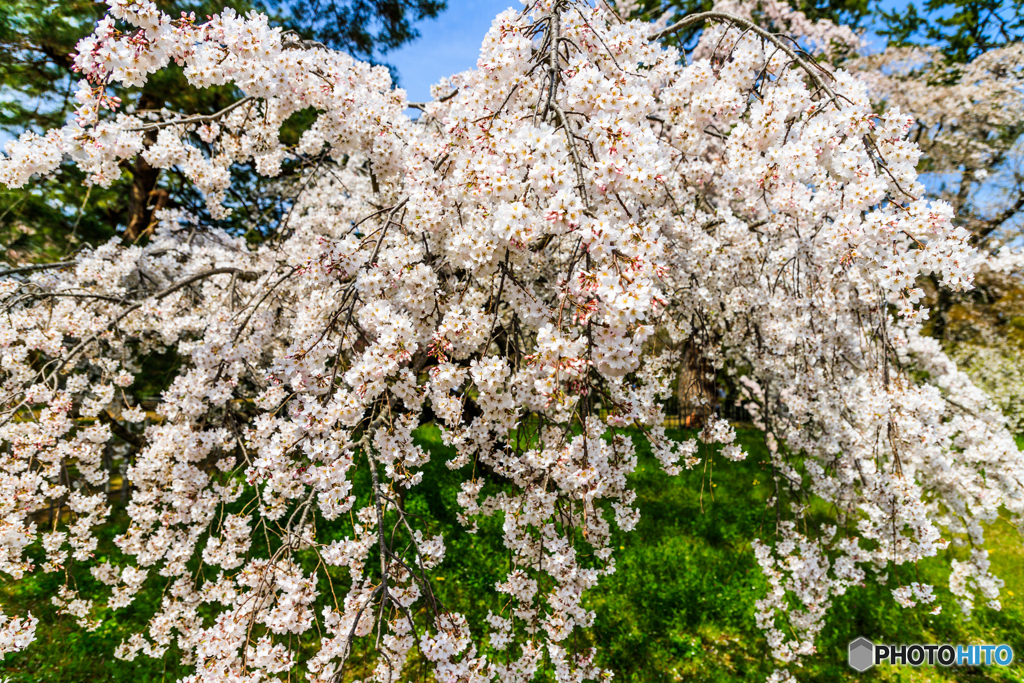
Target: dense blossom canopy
521,264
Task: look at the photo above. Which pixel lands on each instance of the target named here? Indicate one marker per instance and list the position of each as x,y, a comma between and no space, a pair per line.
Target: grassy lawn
680,606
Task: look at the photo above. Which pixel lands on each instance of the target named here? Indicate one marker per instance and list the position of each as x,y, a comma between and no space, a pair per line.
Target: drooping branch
814,71
156,297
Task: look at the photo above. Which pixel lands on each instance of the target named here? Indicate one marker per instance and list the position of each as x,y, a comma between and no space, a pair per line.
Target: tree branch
156,297
32,269
748,25
194,119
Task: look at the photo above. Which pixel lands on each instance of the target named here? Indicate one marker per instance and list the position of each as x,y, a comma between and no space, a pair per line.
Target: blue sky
451,43
447,45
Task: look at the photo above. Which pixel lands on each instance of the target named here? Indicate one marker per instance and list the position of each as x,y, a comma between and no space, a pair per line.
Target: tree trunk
695,392
144,192
145,198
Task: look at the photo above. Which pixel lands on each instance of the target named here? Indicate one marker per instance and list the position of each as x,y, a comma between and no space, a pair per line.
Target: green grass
680,606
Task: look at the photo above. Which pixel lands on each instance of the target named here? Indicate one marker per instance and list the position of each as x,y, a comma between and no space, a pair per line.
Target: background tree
961,29
366,29
958,68
851,14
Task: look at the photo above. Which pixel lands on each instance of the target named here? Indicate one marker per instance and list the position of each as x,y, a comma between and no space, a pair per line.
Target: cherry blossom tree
501,265
967,97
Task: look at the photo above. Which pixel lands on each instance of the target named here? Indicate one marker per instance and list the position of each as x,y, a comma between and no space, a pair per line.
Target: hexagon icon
862,654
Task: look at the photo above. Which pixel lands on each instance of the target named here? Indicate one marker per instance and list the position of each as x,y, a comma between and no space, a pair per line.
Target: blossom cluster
523,265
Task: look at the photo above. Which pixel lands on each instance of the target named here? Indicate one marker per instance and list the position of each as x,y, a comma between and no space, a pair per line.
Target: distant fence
680,416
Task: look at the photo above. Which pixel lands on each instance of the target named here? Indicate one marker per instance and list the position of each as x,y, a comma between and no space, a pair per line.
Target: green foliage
65,652
852,13
680,606
366,29
37,39
962,29
56,215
